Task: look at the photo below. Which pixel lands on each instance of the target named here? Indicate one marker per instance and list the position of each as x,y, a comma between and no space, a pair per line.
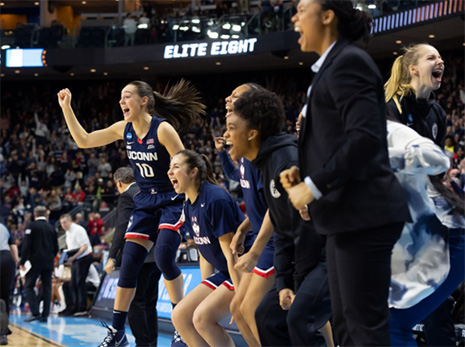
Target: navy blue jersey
149,159
213,214
252,188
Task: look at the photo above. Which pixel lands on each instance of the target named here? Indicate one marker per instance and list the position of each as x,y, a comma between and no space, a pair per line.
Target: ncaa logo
128,136
274,192
434,129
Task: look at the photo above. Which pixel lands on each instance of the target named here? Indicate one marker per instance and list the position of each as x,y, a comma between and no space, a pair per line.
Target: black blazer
343,146
40,245
123,212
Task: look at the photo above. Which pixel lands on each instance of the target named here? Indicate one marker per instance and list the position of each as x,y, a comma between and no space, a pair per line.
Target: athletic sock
119,319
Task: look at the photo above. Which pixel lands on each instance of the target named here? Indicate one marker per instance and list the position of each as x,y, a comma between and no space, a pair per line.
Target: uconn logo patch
199,240
274,192
244,183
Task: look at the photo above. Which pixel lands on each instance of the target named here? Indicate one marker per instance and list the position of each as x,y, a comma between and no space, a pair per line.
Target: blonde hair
398,85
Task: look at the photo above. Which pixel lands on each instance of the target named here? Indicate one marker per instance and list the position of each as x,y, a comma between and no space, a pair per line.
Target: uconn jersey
213,214
251,185
149,159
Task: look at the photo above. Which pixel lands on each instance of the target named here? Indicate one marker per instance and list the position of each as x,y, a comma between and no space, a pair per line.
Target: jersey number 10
145,170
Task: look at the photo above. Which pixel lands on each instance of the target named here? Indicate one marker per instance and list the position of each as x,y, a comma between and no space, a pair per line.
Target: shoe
80,313
177,340
3,340
115,338
32,318
3,317
67,312
43,319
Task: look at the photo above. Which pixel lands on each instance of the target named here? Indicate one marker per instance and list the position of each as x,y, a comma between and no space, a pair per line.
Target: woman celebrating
150,141
345,179
297,305
212,216
410,99
257,263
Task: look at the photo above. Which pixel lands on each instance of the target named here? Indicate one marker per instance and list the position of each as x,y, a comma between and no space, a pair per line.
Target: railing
190,27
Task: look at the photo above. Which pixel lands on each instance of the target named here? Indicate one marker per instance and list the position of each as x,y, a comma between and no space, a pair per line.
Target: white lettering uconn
202,240
142,156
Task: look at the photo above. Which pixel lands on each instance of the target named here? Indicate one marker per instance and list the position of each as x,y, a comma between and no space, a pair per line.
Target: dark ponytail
353,24
180,104
202,163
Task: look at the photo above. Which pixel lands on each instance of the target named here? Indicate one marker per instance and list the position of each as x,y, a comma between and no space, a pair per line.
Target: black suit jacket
343,146
123,212
40,245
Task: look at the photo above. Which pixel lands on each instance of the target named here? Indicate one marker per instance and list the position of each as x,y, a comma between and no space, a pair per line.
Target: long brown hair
202,163
180,104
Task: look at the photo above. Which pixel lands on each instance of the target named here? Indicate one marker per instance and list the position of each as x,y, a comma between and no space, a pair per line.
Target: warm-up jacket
298,248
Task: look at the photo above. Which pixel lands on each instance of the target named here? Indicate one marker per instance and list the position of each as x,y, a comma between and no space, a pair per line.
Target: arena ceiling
448,35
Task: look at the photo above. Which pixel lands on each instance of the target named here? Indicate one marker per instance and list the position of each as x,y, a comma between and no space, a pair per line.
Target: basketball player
150,141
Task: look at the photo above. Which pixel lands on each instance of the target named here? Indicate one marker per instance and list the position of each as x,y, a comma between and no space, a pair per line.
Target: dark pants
142,315
31,297
309,312
359,274
7,271
439,327
79,271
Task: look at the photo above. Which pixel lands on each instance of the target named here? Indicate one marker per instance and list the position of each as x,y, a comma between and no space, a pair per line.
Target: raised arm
80,135
169,138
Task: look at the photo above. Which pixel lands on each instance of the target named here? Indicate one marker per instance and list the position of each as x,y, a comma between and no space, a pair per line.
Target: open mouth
437,74
228,146
125,111
175,183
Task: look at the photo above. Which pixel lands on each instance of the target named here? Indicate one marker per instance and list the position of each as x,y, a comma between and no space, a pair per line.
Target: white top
420,258
76,236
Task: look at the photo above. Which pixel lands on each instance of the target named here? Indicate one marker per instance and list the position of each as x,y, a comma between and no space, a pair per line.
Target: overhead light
431,36
196,21
286,57
5,46
395,53
398,42
2,74
17,71
2,4
92,70
36,3
212,34
184,28
143,26
243,23
301,63
226,26
146,68
36,75
218,63
105,74
235,36
225,37
71,74
372,7
196,30
84,2
175,27
236,27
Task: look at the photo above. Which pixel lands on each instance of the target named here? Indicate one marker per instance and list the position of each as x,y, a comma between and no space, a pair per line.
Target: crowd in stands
41,164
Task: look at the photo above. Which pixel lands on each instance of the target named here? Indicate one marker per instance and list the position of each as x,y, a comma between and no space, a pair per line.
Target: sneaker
80,313
3,340
115,338
177,340
3,317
